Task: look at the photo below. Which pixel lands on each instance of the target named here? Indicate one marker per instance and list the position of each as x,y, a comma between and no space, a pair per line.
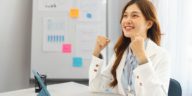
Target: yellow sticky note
74,12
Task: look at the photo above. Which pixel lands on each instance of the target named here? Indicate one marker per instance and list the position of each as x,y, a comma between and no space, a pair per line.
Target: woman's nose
128,21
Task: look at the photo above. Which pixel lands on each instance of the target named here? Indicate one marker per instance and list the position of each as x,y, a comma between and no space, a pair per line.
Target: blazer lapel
120,71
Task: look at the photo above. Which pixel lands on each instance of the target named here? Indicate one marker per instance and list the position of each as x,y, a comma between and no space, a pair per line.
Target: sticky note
77,62
74,13
89,15
66,48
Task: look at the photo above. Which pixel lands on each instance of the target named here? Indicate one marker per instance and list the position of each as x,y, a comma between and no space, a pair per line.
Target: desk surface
63,89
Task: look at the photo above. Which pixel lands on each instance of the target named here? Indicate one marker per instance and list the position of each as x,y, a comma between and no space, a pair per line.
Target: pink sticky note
66,48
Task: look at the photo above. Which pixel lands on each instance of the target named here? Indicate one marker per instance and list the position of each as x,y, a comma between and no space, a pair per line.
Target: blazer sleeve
100,76
152,78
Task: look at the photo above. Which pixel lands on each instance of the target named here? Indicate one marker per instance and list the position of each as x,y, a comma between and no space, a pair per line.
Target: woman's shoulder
153,48
162,49
163,54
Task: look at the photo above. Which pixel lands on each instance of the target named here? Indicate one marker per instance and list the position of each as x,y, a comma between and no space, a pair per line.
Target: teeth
128,28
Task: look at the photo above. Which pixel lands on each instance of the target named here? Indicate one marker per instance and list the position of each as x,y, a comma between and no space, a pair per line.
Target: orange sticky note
66,48
74,12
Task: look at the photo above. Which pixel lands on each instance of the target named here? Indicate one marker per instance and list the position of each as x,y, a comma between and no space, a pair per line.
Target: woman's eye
135,16
124,15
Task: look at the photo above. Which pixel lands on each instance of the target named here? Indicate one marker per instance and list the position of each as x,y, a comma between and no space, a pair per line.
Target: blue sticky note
77,62
89,15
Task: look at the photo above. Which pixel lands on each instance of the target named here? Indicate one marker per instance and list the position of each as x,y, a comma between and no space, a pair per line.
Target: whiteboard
63,36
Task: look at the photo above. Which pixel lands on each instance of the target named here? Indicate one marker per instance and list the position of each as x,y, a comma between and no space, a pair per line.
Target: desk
63,89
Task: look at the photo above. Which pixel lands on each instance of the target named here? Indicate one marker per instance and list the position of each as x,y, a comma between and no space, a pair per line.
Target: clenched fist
101,43
138,49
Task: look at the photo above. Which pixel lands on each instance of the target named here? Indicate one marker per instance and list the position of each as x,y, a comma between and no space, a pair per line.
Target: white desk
63,89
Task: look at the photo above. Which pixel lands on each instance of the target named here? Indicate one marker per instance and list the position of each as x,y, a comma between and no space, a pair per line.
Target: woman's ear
149,24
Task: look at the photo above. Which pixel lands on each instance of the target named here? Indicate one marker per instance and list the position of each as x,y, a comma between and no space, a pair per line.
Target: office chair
174,88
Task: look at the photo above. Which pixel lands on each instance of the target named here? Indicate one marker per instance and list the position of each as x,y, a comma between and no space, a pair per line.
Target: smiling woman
139,67
134,21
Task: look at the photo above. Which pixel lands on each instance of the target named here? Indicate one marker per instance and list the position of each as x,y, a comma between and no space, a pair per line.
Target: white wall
114,13
15,35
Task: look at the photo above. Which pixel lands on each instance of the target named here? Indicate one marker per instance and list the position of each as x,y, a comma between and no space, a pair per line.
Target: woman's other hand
101,43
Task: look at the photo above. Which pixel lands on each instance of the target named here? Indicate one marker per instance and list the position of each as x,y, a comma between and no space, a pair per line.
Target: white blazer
151,79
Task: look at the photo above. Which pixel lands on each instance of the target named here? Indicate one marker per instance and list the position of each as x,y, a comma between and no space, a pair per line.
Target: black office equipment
43,90
37,85
174,88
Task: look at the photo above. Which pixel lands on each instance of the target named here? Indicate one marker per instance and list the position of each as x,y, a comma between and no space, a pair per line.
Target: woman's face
133,22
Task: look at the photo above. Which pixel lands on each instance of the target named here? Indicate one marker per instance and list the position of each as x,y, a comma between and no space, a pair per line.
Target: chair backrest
174,88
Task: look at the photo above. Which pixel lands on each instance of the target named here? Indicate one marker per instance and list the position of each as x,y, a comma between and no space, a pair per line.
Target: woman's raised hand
101,43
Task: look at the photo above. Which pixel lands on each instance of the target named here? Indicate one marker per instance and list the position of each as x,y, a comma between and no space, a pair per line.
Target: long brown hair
154,33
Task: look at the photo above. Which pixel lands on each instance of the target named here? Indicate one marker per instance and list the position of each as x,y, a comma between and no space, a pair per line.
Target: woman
139,67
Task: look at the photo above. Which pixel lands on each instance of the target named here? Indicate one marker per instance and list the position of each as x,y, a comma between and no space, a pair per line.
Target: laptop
43,91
